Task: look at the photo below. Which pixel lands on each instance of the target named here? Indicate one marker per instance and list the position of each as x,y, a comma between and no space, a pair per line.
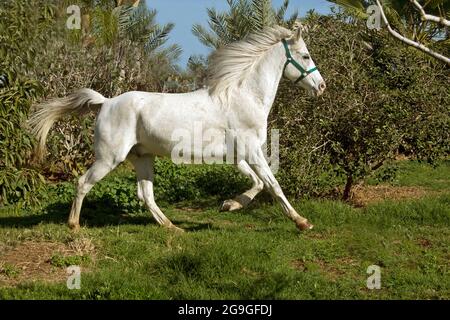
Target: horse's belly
184,145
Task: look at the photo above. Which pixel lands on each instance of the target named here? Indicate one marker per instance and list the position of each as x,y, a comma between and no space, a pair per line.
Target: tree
128,23
18,179
197,69
425,17
375,104
242,17
403,15
407,21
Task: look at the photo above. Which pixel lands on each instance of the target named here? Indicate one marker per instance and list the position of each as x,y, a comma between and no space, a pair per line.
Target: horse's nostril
322,86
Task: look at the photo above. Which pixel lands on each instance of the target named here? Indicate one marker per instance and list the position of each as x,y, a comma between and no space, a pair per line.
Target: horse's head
299,66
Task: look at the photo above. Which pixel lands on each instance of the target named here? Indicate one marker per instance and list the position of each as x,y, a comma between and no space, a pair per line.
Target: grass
413,173
255,253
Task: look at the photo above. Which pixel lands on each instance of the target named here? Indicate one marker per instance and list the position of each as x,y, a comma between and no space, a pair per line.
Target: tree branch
414,44
378,165
429,17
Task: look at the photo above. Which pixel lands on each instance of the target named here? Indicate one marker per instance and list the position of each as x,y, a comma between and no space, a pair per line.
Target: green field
255,253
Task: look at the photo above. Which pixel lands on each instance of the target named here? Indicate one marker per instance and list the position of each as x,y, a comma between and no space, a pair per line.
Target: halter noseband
290,60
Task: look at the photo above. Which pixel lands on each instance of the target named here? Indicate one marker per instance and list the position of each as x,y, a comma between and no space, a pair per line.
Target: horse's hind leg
105,163
144,166
95,173
244,199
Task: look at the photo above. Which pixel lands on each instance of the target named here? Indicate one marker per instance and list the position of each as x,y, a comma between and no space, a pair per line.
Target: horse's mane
230,64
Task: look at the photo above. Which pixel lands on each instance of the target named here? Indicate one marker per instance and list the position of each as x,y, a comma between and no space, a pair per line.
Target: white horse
241,88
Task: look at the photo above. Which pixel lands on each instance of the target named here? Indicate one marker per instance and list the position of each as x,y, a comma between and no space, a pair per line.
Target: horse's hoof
75,227
176,229
304,225
230,205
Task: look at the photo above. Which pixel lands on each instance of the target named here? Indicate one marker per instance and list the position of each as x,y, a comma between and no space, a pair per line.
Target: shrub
173,183
23,30
18,181
375,104
185,182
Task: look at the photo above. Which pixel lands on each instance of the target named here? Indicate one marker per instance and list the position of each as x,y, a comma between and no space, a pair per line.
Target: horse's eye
306,57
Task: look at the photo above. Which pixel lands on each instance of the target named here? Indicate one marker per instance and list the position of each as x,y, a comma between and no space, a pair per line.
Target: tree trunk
348,188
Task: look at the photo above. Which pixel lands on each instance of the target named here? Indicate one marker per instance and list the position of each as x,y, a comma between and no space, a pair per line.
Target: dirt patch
299,265
32,261
331,269
364,195
425,243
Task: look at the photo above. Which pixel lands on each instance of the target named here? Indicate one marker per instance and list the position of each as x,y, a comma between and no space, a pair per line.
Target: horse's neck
264,81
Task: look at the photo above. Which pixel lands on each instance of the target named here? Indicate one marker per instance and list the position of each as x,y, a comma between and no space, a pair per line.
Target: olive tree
375,105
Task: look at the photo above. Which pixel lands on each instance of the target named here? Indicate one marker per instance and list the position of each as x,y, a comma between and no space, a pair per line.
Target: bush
18,181
173,183
185,182
375,104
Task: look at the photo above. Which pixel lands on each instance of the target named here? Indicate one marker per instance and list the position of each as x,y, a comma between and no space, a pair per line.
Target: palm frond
292,19
124,18
241,18
172,53
105,26
158,36
207,38
263,14
281,12
218,23
355,7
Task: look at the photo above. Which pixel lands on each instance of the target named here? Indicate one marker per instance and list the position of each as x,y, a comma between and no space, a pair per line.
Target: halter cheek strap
290,60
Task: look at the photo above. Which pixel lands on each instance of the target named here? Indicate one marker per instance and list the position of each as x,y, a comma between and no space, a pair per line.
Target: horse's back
151,119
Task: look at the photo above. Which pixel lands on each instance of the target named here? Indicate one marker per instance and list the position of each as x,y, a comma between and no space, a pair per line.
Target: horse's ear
297,30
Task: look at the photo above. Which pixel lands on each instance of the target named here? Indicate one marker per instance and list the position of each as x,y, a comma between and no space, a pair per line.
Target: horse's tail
46,113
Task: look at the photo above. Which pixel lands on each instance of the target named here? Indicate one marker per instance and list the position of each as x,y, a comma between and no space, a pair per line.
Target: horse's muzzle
320,89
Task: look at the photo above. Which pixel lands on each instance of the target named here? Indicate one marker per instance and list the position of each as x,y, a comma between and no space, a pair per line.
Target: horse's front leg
244,199
259,164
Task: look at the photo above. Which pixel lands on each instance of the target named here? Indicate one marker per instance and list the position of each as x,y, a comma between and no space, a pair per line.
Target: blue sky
184,13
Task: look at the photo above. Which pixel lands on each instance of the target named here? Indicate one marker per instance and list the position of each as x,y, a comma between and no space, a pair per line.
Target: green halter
290,59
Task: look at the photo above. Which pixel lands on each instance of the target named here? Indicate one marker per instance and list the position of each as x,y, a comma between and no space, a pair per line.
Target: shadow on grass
189,275
269,286
95,213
